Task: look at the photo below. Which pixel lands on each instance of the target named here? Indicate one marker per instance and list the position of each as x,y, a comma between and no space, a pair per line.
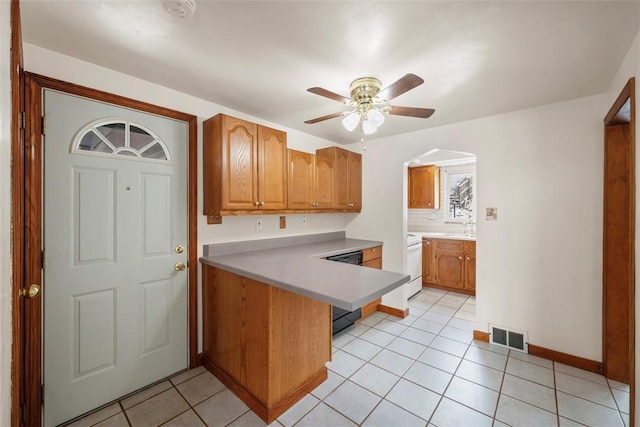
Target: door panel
155,318
156,214
94,212
115,309
94,327
449,269
272,170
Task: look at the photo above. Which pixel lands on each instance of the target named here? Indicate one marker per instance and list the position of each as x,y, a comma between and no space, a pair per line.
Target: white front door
115,214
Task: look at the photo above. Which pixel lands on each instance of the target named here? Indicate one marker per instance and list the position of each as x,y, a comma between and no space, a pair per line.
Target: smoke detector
180,8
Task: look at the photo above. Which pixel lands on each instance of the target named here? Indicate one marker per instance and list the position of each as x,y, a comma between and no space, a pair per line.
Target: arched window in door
121,138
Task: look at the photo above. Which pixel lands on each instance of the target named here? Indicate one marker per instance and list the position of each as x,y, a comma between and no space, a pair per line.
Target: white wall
539,264
5,214
53,64
631,68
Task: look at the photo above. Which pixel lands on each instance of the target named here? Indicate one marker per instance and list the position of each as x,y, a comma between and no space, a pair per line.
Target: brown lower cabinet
371,258
267,345
449,264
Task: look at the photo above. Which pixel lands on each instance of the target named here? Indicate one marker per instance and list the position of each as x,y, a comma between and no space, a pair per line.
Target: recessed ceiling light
180,8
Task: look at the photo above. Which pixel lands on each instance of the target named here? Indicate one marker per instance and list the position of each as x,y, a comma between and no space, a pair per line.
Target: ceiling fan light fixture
350,122
375,117
368,127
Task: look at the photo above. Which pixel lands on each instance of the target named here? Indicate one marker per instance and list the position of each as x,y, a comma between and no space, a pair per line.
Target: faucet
469,227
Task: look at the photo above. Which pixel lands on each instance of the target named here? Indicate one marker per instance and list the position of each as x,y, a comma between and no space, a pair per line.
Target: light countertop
437,235
302,269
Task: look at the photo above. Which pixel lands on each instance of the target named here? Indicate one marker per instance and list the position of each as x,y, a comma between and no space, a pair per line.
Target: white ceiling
259,57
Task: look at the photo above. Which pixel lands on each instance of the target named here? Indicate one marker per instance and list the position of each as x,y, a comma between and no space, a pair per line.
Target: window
120,138
459,193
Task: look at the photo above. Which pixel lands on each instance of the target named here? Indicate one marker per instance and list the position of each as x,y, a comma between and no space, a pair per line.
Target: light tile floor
424,370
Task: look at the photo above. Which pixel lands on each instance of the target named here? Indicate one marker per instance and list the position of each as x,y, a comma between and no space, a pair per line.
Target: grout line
400,377
319,401
126,416
504,374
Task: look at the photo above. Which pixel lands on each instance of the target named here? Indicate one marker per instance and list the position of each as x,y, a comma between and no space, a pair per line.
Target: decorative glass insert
459,193
120,138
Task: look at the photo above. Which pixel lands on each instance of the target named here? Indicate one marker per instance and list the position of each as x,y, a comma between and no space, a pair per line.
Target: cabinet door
301,182
423,191
427,261
341,192
324,181
239,151
354,186
470,266
450,269
470,272
272,168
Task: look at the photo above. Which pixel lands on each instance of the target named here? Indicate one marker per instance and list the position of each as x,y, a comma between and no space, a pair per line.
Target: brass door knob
30,292
179,249
180,266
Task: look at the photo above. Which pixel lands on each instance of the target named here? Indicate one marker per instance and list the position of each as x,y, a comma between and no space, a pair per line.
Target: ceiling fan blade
401,86
328,94
323,118
423,113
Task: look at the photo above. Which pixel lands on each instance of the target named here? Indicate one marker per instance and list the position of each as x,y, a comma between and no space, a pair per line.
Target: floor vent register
509,338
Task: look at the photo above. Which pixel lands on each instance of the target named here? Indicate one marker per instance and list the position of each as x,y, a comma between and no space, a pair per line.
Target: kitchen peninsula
267,312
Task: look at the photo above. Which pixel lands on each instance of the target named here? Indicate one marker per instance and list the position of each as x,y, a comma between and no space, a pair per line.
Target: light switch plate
492,214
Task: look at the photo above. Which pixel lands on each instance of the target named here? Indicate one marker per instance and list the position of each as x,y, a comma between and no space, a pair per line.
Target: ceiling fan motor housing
363,90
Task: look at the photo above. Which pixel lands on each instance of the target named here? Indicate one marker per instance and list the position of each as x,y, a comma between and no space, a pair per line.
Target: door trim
17,216
623,112
33,221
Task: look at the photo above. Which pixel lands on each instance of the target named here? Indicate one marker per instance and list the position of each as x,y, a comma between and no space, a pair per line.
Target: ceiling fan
370,103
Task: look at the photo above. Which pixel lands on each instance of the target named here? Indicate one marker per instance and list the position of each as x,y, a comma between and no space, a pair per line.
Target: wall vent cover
509,338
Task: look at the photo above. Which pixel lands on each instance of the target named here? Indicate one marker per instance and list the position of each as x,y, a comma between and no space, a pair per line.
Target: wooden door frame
27,184
617,115
18,392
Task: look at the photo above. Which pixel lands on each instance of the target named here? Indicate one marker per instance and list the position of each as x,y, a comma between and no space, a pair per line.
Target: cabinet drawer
373,263
449,245
371,253
469,247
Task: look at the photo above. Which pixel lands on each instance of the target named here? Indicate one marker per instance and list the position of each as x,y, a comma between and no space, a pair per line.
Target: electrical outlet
303,221
283,222
258,223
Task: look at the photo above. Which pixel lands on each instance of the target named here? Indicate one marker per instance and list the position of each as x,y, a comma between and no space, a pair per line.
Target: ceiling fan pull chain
362,141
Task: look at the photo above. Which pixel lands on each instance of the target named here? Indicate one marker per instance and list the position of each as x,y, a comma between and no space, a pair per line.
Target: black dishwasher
343,318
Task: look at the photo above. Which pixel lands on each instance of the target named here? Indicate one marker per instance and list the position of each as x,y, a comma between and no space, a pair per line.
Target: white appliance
414,264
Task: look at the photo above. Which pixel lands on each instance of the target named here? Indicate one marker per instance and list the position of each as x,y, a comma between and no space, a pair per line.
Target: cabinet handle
261,203
459,257
428,243
468,258
257,203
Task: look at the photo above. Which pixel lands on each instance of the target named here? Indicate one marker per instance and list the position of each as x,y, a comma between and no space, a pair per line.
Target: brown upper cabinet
310,181
245,167
323,180
424,187
347,177
301,180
